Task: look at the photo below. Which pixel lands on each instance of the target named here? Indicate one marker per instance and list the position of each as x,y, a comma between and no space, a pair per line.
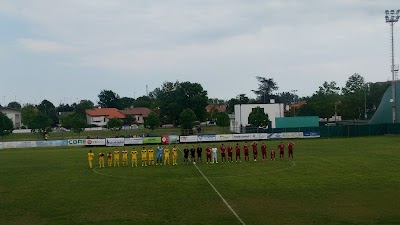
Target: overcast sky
69,50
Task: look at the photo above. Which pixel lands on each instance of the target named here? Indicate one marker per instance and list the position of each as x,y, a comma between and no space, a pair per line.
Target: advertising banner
115,141
292,135
173,139
52,143
89,142
311,134
1,145
164,139
259,136
185,139
223,137
206,137
9,145
241,137
25,144
152,140
133,141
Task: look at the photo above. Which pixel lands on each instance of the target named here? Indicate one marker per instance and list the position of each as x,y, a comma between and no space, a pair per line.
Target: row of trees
183,103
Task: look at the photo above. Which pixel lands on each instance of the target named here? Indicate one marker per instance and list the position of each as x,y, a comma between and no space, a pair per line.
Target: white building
242,112
101,116
14,115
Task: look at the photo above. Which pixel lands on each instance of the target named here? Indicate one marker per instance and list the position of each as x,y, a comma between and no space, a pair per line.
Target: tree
144,101
323,101
114,124
152,121
353,99
187,118
222,119
6,125
126,102
49,110
240,99
129,120
82,106
265,89
74,122
14,105
258,118
212,115
109,99
287,98
375,94
28,113
173,98
65,108
41,123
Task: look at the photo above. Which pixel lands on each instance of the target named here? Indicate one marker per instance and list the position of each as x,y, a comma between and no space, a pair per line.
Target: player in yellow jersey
150,156
144,157
116,157
134,154
109,159
90,159
101,159
124,157
166,156
174,156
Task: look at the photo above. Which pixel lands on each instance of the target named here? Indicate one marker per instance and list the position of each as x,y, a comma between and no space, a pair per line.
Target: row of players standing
211,152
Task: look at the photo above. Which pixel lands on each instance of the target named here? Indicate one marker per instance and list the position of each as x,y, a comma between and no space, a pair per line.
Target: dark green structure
299,121
384,112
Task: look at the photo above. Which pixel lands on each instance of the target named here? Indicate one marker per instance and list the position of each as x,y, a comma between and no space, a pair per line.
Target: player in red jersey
272,155
290,149
254,146
264,151
223,153
230,151
281,148
238,152
246,152
208,154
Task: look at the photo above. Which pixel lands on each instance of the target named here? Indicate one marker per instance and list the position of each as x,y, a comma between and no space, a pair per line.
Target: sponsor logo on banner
9,145
259,136
223,137
133,141
173,139
207,137
115,141
77,142
152,140
292,135
311,134
191,138
241,137
164,139
52,143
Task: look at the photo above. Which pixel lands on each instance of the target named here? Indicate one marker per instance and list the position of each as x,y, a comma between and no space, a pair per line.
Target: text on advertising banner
184,139
152,140
115,141
133,141
223,137
206,137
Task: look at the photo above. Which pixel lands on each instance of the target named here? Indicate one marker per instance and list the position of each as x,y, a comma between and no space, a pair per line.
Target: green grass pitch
331,181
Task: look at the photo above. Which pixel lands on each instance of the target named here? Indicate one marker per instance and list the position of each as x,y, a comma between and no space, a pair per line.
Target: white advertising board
259,136
206,137
292,135
239,137
184,139
25,144
1,145
133,141
223,137
89,142
9,145
115,141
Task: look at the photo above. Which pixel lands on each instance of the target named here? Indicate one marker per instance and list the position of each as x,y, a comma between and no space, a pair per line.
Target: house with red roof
139,113
101,116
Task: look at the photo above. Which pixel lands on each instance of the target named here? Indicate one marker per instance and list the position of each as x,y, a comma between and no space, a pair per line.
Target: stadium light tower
393,17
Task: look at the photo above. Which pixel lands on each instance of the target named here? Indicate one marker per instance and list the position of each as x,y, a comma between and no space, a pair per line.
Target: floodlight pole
391,18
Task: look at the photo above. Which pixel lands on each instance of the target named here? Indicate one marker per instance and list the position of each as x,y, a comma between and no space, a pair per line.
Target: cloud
44,46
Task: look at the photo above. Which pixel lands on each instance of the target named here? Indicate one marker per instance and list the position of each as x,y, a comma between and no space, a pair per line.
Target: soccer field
331,181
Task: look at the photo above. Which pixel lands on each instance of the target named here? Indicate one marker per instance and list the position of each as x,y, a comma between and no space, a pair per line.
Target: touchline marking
219,194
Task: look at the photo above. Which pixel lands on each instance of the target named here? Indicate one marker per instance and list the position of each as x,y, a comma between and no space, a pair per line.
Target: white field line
219,194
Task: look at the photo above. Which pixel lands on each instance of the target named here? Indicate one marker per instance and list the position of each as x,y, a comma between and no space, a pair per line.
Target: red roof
107,112
298,104
219,108
143,111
